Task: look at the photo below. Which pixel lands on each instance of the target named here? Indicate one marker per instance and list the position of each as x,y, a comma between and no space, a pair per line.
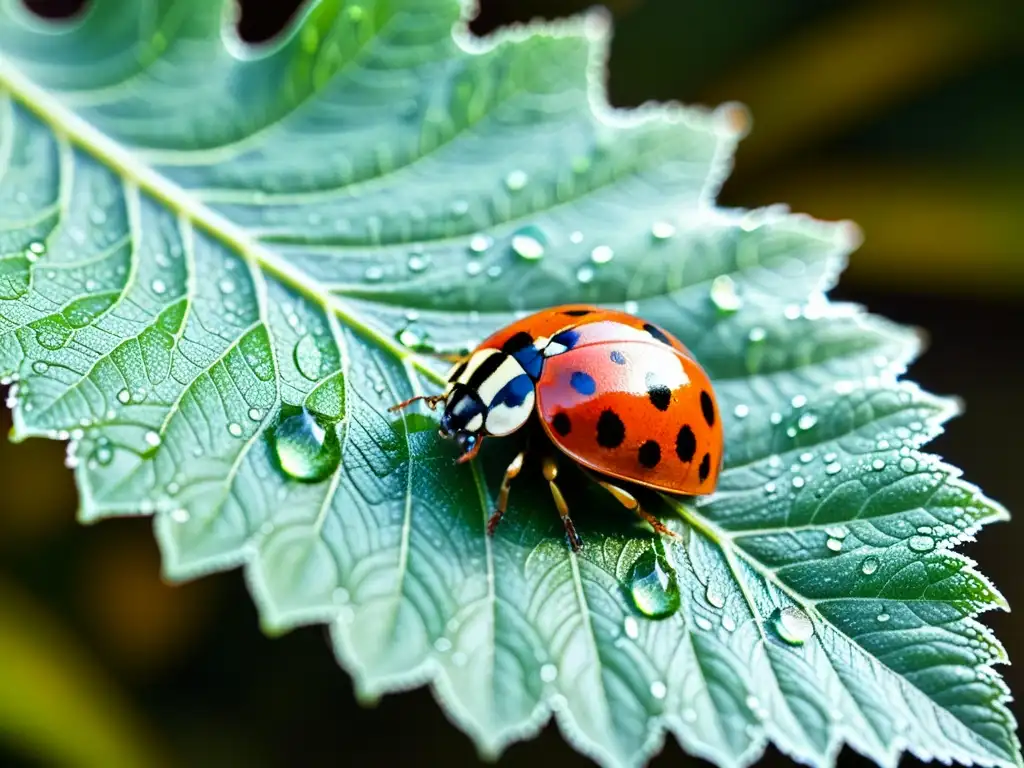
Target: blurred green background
907,117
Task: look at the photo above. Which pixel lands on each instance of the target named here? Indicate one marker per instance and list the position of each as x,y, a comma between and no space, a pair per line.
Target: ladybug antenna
430,400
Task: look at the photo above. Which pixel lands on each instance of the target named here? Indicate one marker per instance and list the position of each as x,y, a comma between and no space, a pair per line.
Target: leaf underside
195,235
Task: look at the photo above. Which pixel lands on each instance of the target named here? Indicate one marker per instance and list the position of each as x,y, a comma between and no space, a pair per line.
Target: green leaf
217,262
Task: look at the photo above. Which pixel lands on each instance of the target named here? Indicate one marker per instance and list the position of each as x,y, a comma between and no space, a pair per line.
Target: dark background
907,117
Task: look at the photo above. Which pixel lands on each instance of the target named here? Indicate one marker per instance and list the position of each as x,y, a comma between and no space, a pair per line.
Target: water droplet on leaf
306,449
921,543
529,243
724,295
602,254
792,625
869,566
662,230
516,180
652,585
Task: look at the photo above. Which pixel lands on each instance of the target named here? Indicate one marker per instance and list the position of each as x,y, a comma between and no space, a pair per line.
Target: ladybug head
463,417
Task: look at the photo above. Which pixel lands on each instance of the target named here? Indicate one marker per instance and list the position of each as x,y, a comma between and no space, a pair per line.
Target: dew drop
442,644
602,254
921,543
460,207
576,237
480,243
235,429
869,566
474,267
308,358
882,617
757,335
806,458
798,401
878,465
724,295
658,689
689,715
631,627
549,673
770,488
662,230
306,449
180,516
728,624
494,270
103,455
631,307
908,465
40,367
807,421
159,287
834,544
529,243
373,274
584,274
833,468
152,439
792,625
255,414
227,286
798,482
418,262
714,598
703,623
516,180
775,417
741,411
653,587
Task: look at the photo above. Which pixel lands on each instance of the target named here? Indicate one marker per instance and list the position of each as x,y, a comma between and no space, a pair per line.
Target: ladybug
619,396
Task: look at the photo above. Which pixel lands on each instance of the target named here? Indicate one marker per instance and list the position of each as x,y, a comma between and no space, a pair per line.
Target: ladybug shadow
532,514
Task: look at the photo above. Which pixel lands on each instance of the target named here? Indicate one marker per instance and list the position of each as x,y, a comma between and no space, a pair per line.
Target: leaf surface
198,239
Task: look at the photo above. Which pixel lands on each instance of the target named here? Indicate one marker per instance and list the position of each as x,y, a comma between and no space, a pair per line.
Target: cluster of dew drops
528,243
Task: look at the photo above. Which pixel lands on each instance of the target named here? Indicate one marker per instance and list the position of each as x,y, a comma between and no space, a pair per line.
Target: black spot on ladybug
582,383
660,395
577,312
610,429
686,444
561,423
649,454
618,358
704,468
516,341
707,408
657,333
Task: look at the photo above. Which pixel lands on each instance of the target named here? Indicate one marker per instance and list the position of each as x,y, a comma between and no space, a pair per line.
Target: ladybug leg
430,400
629,501
513,470
550,469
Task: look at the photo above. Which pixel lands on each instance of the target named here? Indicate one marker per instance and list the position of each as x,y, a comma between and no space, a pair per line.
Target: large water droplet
529,243
602,254
724,295
833,468
878,465
869,566
306,449
548,673
653,586
585,274
792,625
373,274
908,465
659,690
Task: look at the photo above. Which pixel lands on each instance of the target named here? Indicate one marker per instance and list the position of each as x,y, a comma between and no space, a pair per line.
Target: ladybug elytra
619,396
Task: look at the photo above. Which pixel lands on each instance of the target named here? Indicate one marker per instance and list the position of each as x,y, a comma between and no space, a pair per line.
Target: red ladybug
616,394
